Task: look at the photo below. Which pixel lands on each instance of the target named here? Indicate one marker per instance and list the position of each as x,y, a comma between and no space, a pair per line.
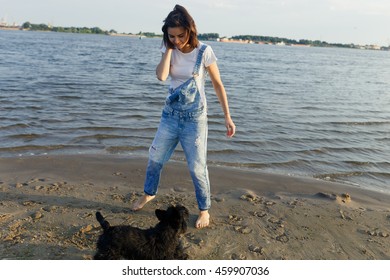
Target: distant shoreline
10,28
242,39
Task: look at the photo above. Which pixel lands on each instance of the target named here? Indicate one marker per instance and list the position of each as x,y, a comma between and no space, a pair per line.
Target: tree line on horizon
276,40
201,36
84,30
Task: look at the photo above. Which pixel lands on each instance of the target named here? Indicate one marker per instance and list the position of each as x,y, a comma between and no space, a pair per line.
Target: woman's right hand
163,68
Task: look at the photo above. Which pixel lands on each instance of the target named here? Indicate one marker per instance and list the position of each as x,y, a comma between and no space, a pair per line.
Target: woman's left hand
230,126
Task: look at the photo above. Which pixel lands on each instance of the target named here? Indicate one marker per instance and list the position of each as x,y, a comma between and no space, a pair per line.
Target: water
316,112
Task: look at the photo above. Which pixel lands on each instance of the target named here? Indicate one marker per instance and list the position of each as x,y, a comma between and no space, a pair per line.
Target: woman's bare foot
140,203
203,219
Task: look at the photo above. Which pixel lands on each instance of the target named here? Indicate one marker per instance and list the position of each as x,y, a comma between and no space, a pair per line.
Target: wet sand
48,205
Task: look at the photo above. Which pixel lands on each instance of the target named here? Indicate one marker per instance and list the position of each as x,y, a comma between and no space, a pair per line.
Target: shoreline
48,205
237,41
211,164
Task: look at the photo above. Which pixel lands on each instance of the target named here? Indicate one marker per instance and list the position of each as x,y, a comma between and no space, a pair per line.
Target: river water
315,112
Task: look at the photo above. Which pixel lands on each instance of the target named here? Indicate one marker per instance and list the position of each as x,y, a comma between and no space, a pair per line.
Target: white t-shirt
182,66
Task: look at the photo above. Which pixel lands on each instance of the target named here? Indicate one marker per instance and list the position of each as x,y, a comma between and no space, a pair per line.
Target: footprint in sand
256,249
233,219
30,203
117,197
243,230
236,222
4,217
274,220
250,197
36,180
238,257
283,238
36,216
20,185
259,214
191,238
377,232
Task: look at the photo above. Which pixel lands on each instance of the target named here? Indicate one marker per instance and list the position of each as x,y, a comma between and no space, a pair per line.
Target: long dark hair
180,17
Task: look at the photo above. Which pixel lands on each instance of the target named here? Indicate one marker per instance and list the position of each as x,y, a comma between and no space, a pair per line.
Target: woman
184,118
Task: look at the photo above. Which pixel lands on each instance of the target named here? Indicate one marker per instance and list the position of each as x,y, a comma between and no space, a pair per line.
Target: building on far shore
299,44
4,25
229,40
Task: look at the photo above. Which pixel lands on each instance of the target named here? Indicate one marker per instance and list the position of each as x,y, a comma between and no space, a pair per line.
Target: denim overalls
184,120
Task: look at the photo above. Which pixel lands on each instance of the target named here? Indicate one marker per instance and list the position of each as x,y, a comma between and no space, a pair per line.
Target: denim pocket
188,92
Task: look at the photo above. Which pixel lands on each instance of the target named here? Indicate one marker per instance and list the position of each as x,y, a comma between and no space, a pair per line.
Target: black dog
158,243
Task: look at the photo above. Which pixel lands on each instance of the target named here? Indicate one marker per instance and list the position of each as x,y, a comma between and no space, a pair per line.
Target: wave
351,150
69,97
14,126
345,176
382,164
225,151
28,148
49,149
239,165
29,136
98,137
369,123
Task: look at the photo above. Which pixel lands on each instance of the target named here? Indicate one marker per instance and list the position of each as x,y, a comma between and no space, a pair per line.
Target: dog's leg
179,253
106,255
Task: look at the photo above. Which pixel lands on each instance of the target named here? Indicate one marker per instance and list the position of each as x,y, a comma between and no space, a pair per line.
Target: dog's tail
105,225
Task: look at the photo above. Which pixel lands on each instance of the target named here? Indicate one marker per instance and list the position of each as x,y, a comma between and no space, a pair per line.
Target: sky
334,21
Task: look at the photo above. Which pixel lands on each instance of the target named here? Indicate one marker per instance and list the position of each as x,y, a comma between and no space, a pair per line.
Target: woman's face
179,37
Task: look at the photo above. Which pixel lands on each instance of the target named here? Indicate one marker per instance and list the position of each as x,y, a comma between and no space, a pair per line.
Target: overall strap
199,60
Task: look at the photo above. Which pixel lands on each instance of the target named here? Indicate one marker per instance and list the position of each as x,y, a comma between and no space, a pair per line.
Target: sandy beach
48,205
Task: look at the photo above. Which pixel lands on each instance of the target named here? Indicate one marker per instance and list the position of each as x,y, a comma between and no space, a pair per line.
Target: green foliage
39,27
149,34
44,27
208,36
276,40
26,25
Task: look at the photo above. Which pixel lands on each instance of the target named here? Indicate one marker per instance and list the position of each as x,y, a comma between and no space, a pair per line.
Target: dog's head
175,216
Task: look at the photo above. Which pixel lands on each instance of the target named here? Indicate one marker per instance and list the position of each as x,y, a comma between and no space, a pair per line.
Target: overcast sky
334,21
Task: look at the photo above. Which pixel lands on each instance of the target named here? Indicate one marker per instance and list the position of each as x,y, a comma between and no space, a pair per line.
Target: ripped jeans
190,129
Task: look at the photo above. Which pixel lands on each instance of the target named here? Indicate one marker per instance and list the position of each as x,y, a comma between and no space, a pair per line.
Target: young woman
184,118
